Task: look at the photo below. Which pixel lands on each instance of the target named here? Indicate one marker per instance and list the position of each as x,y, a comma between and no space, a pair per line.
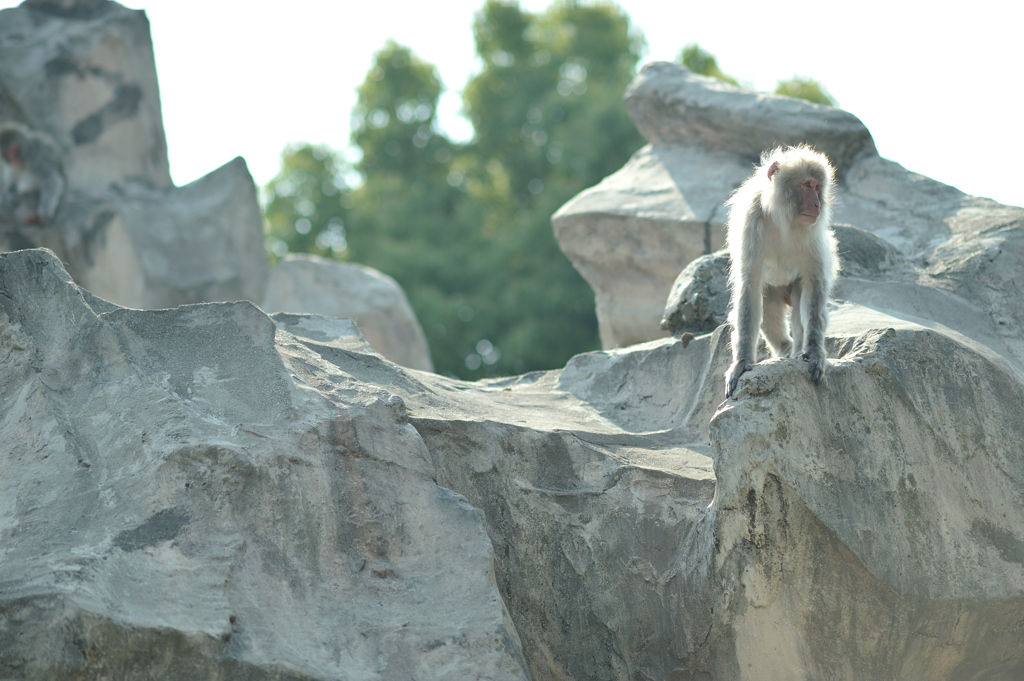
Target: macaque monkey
31,179
783,253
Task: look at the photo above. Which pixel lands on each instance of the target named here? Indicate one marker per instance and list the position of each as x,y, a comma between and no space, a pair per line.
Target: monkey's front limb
746,323
816,314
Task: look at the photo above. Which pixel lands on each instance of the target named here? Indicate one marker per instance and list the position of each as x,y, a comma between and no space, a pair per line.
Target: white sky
938,86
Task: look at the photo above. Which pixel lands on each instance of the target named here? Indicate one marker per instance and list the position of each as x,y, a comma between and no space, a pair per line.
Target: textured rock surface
88,79
671,105
209,492
312,285
633,233
699,299
630,235
195,493
81,73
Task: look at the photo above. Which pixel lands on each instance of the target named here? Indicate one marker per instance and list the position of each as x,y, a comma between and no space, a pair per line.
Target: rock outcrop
81,75
213,492
632,234
195,493
311,285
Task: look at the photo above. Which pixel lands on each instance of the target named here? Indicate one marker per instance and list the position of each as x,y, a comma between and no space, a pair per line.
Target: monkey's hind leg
773,321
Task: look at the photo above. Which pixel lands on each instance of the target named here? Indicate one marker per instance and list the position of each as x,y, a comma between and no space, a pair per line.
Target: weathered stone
84,73
630,235
699,299
898,481
155,248
193,493
313,285
80,74
209,492
671,105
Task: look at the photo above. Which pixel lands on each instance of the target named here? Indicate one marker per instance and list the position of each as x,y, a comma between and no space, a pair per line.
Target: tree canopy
465,228
805,88
699,60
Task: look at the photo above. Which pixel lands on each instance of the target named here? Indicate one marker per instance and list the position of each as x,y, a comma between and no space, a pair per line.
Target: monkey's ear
772,169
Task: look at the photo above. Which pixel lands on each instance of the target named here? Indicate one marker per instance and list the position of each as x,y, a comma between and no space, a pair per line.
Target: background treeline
465,228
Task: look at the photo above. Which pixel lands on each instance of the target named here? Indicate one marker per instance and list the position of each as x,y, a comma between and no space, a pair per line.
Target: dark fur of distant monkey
782,253
31,179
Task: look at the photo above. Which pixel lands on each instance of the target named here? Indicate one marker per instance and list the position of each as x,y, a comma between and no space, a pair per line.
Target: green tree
465,229
549,121
412,217
306,204
699,60
805,88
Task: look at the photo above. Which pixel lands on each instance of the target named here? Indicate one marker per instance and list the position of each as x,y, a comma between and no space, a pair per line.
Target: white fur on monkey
783,254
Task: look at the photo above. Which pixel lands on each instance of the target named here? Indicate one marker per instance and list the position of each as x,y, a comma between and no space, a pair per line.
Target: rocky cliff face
209,492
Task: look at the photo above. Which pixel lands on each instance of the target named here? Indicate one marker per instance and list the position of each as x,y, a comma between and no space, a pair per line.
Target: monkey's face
12,155
810,200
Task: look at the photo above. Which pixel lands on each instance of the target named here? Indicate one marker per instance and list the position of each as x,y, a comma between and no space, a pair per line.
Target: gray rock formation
196,493
375,301
699,299
633,233
81,74
209,492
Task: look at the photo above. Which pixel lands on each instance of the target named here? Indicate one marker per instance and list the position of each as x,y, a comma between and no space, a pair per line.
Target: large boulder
196,493
211,492
632,234
376,302
78,76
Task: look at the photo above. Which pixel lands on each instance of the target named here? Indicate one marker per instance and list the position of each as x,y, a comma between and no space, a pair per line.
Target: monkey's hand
815,358
732,376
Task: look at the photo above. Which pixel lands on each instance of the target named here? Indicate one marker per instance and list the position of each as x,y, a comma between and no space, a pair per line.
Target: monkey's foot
732,376
817,362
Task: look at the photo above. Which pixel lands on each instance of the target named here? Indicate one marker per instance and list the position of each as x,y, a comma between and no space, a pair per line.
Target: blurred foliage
305,206
466,228
807,89
699,60
549,121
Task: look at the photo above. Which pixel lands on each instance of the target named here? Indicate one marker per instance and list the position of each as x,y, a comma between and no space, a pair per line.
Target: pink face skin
810,196
810,191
